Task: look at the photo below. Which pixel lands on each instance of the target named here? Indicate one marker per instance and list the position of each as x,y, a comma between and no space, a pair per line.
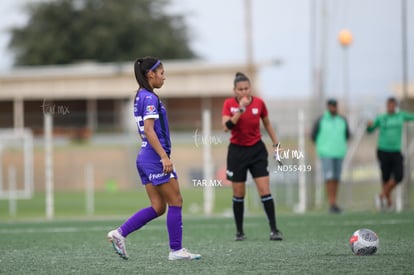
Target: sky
283,30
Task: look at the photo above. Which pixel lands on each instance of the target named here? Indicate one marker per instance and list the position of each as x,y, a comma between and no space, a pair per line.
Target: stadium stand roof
116,80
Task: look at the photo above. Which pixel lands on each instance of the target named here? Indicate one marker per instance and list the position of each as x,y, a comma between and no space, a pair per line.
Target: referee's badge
255,111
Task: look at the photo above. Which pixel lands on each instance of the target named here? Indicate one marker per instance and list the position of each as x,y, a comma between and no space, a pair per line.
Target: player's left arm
269,129
408,116
267,125
347,131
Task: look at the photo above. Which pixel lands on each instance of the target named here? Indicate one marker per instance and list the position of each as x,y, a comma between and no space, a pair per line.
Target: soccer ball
364,242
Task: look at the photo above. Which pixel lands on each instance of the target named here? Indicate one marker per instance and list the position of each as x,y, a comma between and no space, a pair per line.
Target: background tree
68,31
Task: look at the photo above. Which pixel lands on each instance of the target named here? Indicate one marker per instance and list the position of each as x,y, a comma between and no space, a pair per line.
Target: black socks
238,210
269,208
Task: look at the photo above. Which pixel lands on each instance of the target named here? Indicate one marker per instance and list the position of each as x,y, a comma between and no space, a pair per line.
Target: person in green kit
330,134
389,153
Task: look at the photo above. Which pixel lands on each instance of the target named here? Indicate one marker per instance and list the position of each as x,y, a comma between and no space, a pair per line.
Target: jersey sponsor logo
255,111
156,176
234,110
150,109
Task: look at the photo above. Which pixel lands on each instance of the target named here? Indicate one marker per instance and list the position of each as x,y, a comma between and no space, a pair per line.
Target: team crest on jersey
150,109
255,111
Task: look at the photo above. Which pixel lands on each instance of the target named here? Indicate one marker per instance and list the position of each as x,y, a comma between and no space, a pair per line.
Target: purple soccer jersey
148,106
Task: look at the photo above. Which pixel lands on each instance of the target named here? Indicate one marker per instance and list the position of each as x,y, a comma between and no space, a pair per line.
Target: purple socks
137,221
174,224
175,227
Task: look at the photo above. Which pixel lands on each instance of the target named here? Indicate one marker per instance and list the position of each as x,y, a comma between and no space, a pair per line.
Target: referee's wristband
230,124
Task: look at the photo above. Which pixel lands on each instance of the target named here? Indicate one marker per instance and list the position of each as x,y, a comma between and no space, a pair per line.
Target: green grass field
314,243
121,203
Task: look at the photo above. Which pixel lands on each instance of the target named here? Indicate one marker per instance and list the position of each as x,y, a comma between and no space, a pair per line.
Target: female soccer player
241,115
154,164
389,153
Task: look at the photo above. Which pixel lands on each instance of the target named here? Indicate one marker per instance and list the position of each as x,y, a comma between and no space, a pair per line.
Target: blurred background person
389,154
330,134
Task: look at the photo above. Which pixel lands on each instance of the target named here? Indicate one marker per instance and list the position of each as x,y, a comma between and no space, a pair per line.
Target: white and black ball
364,242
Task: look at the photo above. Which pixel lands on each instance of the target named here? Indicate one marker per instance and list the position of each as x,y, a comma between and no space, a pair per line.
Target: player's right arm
229,119
372,125
156,145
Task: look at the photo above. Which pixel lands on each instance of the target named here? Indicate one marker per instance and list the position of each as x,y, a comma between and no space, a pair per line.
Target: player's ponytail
141,67
240,77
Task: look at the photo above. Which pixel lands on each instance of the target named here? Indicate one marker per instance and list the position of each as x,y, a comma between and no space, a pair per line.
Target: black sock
238,210
269,208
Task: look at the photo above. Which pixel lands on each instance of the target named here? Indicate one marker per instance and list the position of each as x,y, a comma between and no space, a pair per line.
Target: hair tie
155,65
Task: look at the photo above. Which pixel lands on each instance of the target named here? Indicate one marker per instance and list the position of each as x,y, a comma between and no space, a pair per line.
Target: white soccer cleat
183,254
118,243
381,204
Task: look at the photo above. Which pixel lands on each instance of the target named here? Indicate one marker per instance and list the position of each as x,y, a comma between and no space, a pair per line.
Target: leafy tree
68,31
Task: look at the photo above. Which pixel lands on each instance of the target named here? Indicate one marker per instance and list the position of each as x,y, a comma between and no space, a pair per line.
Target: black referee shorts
243,158
392,165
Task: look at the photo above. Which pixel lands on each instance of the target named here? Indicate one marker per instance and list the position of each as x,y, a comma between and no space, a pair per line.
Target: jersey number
140,124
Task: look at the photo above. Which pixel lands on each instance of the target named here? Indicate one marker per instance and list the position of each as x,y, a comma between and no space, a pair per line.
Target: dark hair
392,99
141,67
331,102
240,77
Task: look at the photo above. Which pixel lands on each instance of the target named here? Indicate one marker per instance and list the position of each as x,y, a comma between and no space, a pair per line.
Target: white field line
74,229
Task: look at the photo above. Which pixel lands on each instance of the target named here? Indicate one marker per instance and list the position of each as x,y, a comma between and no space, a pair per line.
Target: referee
246,152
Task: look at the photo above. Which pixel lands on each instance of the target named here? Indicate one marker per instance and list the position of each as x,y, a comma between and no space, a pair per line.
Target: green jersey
390,130
330,134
